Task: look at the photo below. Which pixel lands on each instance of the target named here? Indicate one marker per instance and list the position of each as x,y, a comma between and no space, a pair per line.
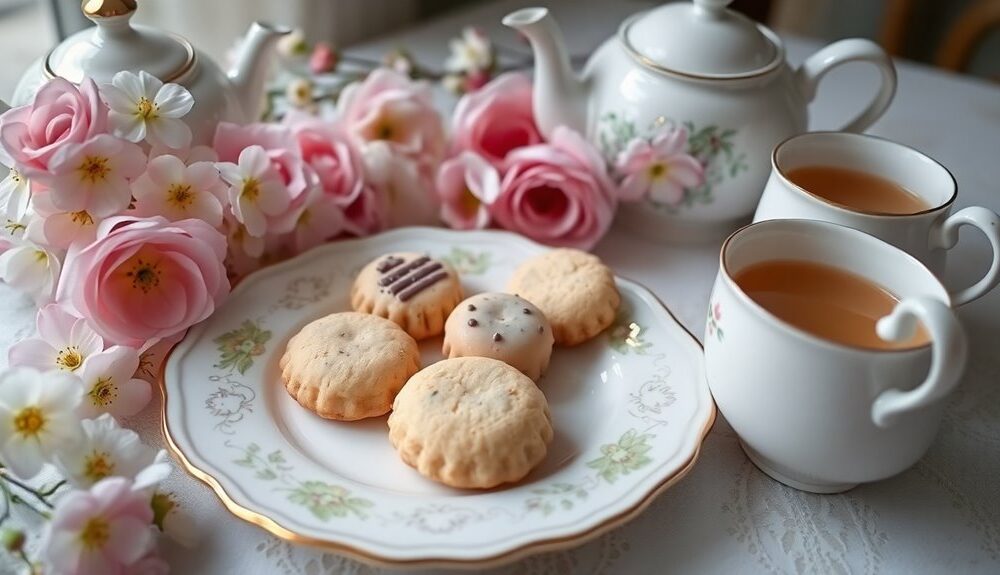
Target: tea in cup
885,189
829,352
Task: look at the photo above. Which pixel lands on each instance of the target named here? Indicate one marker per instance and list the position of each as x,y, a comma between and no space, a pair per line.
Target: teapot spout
559,97
249,73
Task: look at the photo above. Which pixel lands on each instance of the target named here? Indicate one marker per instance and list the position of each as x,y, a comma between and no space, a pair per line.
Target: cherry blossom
256,190
170,189
660,169
467,185
32,269
144,108
109,385
64,341
106,450
36,417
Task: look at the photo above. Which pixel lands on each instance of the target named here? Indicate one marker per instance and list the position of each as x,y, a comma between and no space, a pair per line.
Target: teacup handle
948,353
946,236
851,50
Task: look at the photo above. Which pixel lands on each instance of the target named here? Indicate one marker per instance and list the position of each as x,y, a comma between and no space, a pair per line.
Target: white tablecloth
943,515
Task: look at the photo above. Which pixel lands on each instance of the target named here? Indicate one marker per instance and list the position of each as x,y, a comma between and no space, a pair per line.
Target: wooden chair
966,33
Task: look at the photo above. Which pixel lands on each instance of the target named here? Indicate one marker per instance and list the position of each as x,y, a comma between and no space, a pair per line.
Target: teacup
926,235
817,415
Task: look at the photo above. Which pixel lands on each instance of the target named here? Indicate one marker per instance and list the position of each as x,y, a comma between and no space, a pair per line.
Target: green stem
53,489
5,475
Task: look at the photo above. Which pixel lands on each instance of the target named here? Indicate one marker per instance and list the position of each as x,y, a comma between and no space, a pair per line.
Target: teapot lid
704,39
115,45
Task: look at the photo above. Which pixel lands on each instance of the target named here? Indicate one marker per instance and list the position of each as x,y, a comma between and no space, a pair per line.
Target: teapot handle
948,354
851,50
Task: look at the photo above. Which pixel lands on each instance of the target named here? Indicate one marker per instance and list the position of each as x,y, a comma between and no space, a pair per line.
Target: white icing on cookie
501,326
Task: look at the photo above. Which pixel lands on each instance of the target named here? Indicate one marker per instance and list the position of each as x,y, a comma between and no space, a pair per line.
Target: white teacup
823,416
925,235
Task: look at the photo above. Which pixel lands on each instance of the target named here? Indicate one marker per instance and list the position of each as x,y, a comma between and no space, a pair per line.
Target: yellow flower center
98,465
104,392
251,189
146,109
13,227
180,195
82,218
95,533
41,257
29,422
94,169
145,275
657,171
384,131
305,218
16,176
469,202
69,358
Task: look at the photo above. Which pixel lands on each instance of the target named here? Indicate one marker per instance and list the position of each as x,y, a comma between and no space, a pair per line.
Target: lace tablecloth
943,515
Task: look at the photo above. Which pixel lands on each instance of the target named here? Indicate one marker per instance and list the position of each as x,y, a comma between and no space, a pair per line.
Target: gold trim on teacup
774,64
785,179
797,331
544,545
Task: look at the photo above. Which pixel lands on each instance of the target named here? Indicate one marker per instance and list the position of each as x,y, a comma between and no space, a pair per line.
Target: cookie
348,365
471,422
411,289
574,290
501,326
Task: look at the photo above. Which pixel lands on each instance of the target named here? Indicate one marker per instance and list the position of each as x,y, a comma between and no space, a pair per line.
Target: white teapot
698,66
115,44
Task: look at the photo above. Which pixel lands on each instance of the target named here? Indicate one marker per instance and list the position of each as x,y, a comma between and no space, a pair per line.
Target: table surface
726,516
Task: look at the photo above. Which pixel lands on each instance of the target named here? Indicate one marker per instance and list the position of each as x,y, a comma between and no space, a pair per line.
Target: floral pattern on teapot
711,145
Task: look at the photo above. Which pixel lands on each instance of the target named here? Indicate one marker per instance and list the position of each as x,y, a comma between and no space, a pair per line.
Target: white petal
130,84
23,457
168,132
127,126
173,101
118,100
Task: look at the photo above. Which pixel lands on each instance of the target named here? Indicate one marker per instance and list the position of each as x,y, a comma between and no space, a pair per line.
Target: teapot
702,68
115,44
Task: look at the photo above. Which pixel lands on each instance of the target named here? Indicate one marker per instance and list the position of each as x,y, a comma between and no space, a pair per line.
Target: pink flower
717,311
93,176
170,189
142,280
323,58
108,385
389,107
496,119
660,169
556,193
366,214
103,530
404,194
64,342
321,219
282,151
467,185
58,228
60,114
257,197
328,150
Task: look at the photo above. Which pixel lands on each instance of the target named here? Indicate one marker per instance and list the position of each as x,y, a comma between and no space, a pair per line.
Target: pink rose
60,114
142,280
556,193
282,149
388,106
326,148
496,119
366,214
467,185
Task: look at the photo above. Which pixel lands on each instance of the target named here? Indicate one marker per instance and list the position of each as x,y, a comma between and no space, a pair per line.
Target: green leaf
266,474
276,457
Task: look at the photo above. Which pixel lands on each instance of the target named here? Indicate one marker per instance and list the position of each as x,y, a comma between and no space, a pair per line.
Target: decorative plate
630,409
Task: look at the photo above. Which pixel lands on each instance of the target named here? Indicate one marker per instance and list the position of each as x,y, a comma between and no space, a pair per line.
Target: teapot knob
713,8
107,8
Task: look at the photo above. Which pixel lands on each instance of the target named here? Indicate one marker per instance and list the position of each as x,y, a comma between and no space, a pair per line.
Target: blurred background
958,35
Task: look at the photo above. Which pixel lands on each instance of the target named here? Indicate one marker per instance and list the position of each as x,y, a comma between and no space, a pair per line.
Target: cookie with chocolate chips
501,326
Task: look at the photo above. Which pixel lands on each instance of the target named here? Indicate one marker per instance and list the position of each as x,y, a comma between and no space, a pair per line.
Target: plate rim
530,548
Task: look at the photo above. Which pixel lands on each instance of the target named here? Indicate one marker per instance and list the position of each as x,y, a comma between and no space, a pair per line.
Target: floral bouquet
126,234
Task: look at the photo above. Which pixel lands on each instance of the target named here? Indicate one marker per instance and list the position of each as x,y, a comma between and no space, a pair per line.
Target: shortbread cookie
348,365
501,326
411,289
574,290
471,422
